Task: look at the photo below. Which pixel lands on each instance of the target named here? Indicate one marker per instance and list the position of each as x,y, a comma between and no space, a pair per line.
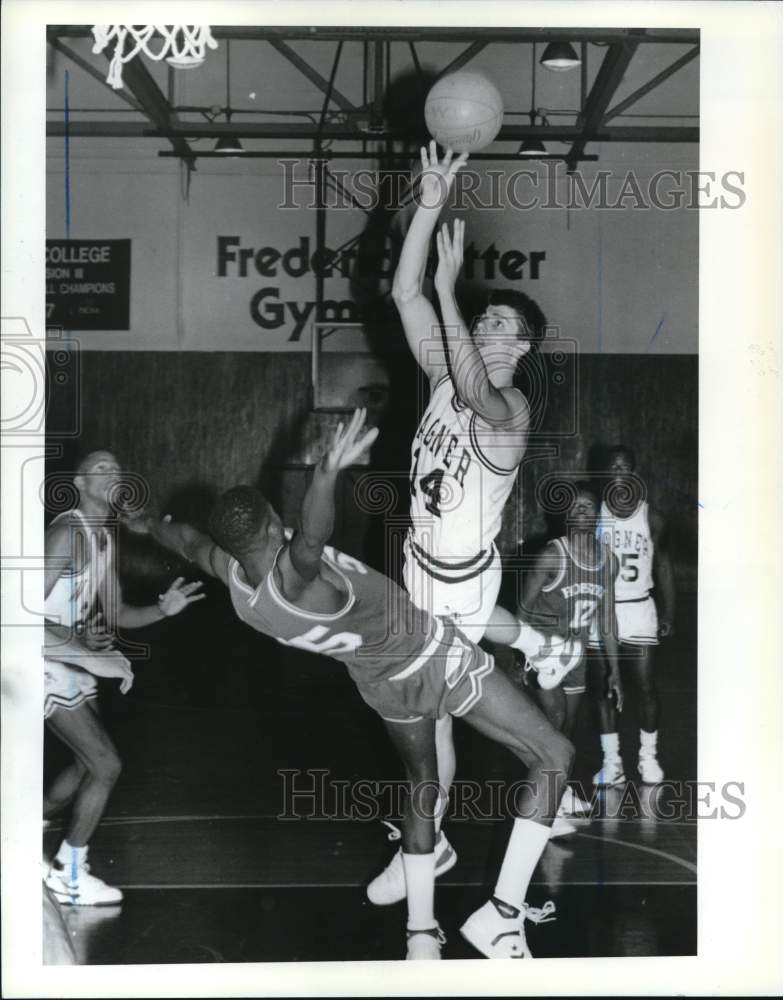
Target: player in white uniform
464,457
636,536
80,584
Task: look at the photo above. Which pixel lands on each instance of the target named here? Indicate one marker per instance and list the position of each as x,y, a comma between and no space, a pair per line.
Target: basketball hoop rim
184,61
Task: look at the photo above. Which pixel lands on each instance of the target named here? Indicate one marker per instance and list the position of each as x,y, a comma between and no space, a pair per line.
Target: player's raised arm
505,408
418,316
187,542
301,562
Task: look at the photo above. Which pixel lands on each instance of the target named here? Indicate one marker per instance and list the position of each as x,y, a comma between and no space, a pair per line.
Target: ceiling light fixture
560,56
229,144
533,147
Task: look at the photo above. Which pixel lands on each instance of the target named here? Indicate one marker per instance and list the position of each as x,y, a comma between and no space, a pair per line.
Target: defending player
570,592
465,454
410,667
81,583
636,535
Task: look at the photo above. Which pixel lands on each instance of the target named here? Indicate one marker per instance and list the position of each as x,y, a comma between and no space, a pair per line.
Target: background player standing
80,583
570,592
636,535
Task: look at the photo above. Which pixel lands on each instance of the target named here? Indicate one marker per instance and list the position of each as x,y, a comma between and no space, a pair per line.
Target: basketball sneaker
561,827
75,886
556,658
389,886
572,805
425,945
650,771
611,773
497,929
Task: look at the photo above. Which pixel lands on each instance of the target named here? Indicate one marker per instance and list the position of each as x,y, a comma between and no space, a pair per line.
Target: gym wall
211,383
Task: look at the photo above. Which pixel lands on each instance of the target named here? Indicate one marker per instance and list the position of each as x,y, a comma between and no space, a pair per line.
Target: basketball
464,111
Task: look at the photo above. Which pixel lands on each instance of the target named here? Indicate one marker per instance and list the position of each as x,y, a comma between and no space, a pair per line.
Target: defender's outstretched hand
437,177
450,255
347,444
179,596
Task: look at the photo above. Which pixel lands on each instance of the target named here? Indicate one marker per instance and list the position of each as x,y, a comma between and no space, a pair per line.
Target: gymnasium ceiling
356,90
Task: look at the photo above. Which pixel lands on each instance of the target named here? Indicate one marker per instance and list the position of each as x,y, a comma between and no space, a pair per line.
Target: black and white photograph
384,538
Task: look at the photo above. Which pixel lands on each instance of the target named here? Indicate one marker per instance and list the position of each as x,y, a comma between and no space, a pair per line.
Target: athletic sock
71,858
529,641
610,744
420,882
440,811
648,743
525,846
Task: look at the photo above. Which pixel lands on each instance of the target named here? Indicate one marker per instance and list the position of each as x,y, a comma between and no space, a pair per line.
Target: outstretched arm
300,562
504,408
178,596
187,542
419,319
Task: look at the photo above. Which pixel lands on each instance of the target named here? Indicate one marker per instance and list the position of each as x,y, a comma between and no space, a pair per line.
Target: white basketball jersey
76,592
631,542
457,491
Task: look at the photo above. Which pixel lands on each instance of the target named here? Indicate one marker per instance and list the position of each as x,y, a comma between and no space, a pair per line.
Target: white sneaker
572,805
556,658
650,770
425,945
611,773
497,929
561,827
389,887
83,890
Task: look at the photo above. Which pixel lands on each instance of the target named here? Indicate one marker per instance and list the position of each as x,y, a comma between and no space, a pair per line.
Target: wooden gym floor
211,873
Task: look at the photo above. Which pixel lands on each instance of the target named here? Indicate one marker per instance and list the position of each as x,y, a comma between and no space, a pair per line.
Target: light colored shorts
66,687
466,595
637,622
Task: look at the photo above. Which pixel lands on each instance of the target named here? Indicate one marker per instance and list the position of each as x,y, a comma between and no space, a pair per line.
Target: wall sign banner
88,284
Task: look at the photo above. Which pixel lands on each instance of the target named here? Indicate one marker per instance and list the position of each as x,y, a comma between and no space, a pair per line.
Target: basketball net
183,45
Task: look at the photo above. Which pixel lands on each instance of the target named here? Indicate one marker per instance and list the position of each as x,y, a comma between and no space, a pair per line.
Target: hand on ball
437,176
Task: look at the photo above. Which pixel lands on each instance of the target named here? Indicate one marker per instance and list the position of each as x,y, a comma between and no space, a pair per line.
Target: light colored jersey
457,491
631,541
79,589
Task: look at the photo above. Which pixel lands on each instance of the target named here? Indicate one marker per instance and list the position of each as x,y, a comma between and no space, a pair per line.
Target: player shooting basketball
465,455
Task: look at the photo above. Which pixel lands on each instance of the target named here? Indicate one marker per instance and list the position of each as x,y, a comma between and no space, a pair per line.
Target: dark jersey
378,633
570,604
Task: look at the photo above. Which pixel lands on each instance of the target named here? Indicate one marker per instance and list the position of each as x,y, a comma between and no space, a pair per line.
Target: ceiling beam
612,69
312,75
93,72
668,36
346,131
651,84
136,77
463,58
280,154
